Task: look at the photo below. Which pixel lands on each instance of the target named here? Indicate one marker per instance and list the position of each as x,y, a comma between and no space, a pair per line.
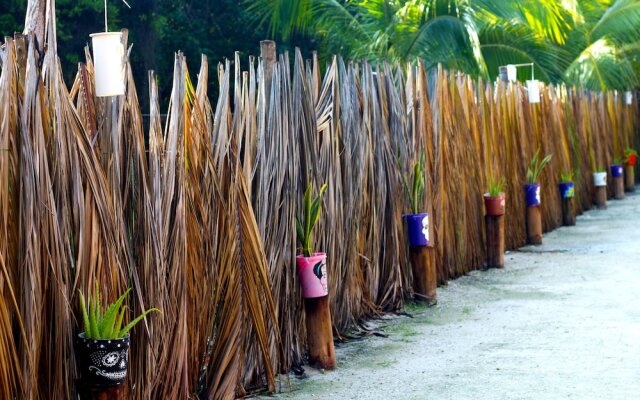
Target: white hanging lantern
512,73
628,97
533,90
108,56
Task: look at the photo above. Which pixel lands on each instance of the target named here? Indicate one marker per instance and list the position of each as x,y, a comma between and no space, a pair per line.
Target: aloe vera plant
310,217
415,191
106,322
536,167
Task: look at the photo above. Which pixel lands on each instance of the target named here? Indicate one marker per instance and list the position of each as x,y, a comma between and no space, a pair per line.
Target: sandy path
561,321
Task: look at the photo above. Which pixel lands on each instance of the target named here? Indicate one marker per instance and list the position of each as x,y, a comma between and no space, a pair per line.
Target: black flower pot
102,362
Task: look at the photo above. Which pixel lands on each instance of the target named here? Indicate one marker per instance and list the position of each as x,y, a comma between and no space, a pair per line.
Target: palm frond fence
196,212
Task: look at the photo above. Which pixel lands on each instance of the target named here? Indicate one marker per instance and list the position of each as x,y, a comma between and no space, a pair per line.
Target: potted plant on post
417,221
102,349
423,270
312,274
630,156
532,195
567,193
494,202
600,183
617,173
495,199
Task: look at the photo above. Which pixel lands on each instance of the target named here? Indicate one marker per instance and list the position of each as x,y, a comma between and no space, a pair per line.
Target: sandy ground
561,321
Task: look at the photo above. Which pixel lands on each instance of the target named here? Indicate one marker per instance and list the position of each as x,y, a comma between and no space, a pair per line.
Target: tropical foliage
593,43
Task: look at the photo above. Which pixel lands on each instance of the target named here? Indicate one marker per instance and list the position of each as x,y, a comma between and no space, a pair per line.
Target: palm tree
594,43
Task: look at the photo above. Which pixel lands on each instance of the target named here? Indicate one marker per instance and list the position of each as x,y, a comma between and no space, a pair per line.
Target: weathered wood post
567,193
568,212
111,393
494,224
630,178
425,280
319,332
268,55
35,20
422,257
312,273
534,214
495,240
600,191
618,181
534,225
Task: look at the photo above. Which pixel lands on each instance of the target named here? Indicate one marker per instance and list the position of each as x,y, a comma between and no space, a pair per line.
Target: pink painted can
312,273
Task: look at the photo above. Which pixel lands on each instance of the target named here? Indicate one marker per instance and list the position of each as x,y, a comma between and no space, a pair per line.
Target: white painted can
533,89
108,65
600,179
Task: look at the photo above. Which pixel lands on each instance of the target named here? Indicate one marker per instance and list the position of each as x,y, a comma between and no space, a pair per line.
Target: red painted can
632,160
495,205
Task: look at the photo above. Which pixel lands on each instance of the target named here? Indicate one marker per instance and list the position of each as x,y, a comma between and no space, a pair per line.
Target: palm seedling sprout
311,214
415,191
536,167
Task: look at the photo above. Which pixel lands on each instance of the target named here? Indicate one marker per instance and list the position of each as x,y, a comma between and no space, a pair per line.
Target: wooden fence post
269,58
534,225
495,240
110,393
630,178
425,280
618,187
568,212
601,197
319,332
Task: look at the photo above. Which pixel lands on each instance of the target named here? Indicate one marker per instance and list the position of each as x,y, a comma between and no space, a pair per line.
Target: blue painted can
616,170
417,229
532,194
567,190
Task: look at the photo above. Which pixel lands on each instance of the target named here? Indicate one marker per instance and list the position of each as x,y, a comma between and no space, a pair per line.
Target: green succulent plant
106,322
311,214
536,167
